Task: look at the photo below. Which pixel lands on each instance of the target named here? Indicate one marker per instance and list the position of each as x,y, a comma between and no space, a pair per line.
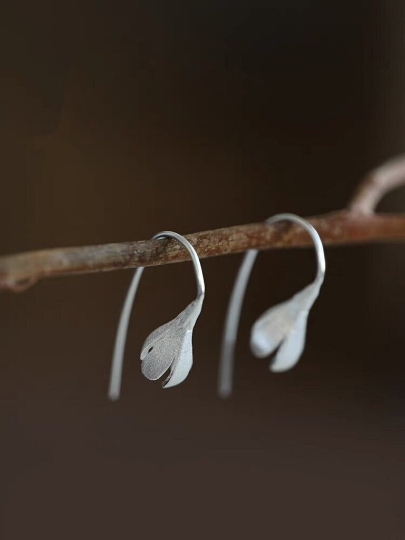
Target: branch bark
357,224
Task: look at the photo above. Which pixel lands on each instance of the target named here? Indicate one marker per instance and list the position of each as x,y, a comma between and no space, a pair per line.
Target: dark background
118,120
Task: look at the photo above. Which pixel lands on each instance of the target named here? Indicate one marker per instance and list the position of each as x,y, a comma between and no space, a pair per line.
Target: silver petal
292,347
270,330
155,360
182,365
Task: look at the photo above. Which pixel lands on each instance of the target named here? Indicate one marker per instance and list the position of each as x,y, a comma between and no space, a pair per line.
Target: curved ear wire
177,333
286,321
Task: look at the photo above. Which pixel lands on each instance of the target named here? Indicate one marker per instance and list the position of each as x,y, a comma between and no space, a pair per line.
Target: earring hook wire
121,336
227,357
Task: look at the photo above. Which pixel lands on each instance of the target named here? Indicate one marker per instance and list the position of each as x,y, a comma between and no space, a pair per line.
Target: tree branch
357,224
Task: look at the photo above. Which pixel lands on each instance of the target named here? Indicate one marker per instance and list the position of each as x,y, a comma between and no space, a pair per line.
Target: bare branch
358,224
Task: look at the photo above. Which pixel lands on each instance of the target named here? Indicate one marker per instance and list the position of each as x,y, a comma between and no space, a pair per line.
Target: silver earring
282,327
168,347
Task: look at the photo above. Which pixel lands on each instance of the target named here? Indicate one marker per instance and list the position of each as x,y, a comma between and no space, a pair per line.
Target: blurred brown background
118,120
